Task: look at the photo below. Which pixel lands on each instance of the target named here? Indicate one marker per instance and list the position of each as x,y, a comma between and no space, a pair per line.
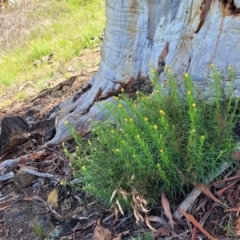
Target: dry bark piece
15,131
205,6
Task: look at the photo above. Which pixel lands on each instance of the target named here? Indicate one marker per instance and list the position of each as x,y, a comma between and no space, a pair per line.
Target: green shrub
163,142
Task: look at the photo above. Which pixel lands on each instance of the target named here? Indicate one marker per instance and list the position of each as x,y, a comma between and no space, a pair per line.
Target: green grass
37,228
65,29
165,142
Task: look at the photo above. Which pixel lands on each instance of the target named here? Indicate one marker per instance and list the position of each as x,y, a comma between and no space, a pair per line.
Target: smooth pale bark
198,32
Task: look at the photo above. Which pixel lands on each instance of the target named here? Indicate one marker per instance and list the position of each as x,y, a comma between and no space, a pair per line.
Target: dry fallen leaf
119,236
208,193
113,195
194,233
221,191
53,198
149,225
191,219
119,207
159,220
162,231
237,228
236,155
37,155
166,207
4,205
102,233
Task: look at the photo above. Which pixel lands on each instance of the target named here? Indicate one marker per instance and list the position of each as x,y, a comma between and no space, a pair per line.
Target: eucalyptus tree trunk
186,35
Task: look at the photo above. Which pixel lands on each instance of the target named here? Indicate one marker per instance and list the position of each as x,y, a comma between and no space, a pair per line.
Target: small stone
23,179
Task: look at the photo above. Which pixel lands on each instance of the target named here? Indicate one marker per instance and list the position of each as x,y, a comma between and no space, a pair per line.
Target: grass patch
164,142
62,29
37,228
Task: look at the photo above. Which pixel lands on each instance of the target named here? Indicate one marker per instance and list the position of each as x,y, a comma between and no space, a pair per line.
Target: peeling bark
204,11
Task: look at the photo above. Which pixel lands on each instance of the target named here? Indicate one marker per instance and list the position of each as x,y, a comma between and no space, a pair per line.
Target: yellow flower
229,68
212,65
202,137
189,92
158,165
193,131
152,70
117,150
138,136
186,75
122,89
112,131
161,112
155,126
66,122
194,105
131,119
116,98
119,105
146,119
126,120
83,168
137,92
161,151
134,105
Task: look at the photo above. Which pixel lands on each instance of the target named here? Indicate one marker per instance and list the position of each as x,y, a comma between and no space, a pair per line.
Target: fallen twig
39,174
9,163
6,176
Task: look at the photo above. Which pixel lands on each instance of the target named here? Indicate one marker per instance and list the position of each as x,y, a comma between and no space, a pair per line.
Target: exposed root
88,105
